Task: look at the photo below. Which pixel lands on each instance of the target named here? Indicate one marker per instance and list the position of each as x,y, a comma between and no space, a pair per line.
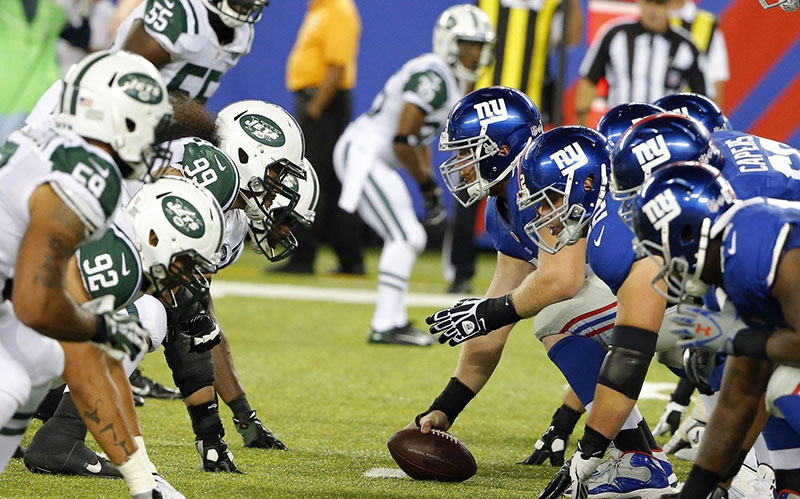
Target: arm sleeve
341,37
593,66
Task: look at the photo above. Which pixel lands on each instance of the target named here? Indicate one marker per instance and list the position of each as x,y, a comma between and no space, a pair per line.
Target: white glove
670,419
703,328
124,336
464,320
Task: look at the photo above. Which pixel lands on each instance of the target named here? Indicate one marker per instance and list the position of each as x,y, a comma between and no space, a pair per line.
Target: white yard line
221,289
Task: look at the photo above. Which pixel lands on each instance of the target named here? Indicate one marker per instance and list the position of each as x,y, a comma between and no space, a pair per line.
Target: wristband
453,399
500,312
101,331
751,343
411,140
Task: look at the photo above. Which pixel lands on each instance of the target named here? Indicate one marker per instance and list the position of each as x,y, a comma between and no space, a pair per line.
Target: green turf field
334,400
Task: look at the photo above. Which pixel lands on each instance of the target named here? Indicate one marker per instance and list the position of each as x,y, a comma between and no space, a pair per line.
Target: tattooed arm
40,298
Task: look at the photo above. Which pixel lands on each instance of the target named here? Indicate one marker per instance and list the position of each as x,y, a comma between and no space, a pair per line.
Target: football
437,455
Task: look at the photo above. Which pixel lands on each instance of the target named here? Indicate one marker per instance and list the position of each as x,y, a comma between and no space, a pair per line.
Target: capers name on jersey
207,166
182,29
111,266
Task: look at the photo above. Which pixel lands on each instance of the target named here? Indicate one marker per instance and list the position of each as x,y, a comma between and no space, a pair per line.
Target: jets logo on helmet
651,153
569,158
662,209
263,129
492,111
183,216
142,88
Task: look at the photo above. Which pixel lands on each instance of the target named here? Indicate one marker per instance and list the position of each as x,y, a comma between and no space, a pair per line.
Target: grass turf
335,400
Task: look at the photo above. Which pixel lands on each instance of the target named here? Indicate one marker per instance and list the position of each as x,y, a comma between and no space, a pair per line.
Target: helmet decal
569,158
142,88
662,209
182,215
263,130
651,153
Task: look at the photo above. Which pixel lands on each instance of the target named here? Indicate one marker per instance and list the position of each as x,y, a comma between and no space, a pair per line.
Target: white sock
20,418
634,418
394,269
136,471
140,445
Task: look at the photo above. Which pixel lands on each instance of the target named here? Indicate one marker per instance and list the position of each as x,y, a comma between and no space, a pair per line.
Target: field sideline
335,401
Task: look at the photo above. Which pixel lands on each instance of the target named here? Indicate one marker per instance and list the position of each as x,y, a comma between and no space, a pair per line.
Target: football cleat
216,456
143,386
663,460
255,434
79,460
19,453
403,335
629,474
680,440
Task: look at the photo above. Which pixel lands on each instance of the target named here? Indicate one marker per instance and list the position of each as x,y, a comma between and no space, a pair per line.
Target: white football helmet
266,144
787,5
463,23
279,242
178,228
235,13
120,99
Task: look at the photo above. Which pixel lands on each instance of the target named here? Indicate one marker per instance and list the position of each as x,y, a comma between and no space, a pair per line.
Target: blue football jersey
504,225
609,248
756,166
756,234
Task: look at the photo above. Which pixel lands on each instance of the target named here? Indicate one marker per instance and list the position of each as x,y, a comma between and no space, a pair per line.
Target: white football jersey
234,237
182,28
425,81
82,175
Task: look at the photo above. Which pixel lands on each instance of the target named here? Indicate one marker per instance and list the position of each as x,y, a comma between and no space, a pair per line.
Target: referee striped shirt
641,66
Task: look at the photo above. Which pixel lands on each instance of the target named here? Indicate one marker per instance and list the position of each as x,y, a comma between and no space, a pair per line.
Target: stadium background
763,48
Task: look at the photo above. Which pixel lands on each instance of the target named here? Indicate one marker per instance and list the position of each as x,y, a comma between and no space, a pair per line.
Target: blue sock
579,360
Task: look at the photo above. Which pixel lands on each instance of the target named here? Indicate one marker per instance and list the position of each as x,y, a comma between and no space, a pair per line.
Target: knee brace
191,371
626,364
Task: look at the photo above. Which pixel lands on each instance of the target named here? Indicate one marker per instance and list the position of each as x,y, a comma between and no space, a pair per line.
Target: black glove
551,445
560,483
203,332
699,364
434,203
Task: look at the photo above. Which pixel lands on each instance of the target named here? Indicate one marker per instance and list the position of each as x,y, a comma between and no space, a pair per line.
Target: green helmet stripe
77,81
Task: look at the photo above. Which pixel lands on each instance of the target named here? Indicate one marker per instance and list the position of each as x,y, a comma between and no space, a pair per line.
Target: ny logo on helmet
662,209
651,153
491,111
569,158
680,110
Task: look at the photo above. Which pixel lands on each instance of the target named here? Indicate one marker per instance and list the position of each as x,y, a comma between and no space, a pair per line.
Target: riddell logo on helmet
142,88
662,209
651,153
570,158
183,216
263,130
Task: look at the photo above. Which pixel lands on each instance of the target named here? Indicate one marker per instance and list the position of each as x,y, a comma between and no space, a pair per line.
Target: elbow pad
626,364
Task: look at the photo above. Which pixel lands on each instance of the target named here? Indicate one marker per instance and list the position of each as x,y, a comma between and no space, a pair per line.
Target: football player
404,118
193,43
649,144
61,186
589,310
687,216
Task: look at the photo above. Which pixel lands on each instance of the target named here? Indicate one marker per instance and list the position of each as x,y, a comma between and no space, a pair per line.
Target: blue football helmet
697,106
652,143
673,218
486,129
561,178
614,123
